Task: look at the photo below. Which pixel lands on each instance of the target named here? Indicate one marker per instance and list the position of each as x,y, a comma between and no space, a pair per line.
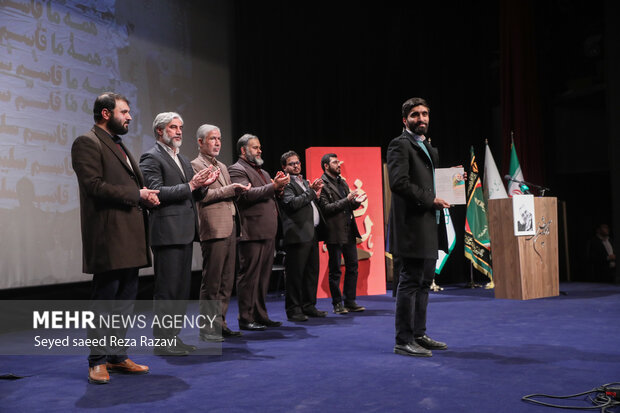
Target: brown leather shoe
98,374
127,367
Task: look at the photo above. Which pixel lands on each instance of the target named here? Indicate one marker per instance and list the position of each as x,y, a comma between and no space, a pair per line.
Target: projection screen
55,58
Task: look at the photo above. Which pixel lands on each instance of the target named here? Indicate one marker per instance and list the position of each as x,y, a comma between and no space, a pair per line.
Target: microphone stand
541,189
471,283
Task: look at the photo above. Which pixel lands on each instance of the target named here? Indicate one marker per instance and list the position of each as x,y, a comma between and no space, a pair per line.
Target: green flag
514,188
477,239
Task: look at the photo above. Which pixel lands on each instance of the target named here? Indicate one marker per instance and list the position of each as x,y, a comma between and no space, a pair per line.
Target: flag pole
471,283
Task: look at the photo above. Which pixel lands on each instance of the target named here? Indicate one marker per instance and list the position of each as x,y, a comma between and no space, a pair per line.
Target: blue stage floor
499,351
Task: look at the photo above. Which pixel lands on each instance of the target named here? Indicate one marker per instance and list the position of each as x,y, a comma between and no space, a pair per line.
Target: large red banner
362,169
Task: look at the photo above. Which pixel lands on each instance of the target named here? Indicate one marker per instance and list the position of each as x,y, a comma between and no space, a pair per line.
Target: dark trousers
349,253
113,292
218,275
416,277
255,262
302,276
173,272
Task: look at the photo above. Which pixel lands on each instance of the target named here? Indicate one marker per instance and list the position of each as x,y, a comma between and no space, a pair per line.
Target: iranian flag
514,188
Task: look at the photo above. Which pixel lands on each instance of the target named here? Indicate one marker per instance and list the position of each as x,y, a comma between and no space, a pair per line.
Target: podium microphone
542,189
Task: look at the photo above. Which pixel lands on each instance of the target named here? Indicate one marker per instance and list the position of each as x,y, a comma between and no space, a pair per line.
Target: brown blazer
259,211
217,210
114,225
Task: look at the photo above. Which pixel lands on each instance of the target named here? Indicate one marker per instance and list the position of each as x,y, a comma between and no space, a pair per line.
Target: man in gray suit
259,225
217,218
113,202
301,222
173,225
414,218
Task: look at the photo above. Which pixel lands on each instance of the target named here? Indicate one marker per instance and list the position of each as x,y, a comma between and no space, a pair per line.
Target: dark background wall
317,74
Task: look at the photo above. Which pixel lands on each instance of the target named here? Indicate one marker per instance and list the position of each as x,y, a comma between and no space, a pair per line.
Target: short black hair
287,155
106,100
412,103
325,159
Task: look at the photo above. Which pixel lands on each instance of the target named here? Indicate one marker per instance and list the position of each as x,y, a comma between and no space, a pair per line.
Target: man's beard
335,170
418,128
254,159
167,140
116,127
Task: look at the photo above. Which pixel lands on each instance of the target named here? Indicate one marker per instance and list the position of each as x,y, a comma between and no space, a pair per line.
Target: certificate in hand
450,185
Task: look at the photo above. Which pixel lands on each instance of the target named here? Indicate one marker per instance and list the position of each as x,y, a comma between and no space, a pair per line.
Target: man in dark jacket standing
337,203
301,222
113,201
414,218
259,225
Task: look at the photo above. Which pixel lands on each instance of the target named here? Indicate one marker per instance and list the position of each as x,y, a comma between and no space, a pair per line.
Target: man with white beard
173,225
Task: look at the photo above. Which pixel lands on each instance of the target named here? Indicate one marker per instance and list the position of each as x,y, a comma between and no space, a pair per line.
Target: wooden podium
524,267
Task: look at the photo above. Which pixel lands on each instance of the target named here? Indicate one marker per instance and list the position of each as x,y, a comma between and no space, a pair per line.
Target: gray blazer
174,221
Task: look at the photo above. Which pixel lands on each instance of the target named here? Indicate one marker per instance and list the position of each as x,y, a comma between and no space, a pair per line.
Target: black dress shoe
270,323
251,326
227,332
297,317
315,313
430,344
211,336
169,351
183,346
339,309
353,307
412,349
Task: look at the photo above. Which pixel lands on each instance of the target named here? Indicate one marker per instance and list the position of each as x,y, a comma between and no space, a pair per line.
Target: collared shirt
299,180
174,155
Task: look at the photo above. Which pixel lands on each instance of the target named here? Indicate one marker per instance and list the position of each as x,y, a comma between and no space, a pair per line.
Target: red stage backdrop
362,168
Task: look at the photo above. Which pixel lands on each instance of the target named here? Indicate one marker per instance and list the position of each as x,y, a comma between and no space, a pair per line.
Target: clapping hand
148,197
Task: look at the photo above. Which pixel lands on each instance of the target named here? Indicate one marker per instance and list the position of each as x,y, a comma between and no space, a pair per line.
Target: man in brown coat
114,222
217,218
259,225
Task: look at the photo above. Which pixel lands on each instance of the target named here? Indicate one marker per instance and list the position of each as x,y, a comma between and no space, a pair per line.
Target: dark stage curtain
520,91
336,74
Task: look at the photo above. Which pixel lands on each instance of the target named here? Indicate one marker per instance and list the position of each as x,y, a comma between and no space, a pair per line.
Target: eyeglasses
294,163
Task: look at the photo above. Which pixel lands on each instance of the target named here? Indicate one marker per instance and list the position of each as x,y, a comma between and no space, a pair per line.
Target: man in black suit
337,203
301,220
173,225
414,219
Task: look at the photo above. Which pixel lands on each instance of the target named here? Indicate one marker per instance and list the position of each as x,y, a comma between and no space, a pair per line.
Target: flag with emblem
477,239
493,184
514,188
443,256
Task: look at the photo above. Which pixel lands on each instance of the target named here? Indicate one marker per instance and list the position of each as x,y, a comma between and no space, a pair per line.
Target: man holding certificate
415,216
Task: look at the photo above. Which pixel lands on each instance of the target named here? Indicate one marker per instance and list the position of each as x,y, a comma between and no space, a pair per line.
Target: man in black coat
414,219
301,223
337,203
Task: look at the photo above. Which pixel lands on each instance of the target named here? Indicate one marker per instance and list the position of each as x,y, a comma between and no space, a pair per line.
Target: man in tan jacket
218,227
